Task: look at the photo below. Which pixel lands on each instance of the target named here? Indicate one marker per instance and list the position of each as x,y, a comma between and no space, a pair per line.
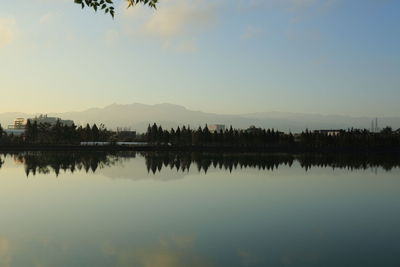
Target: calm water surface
134,210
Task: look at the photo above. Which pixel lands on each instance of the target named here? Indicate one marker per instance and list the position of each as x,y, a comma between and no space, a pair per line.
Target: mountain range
138,116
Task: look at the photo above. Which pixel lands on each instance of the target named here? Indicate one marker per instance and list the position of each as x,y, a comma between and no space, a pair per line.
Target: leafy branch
108,5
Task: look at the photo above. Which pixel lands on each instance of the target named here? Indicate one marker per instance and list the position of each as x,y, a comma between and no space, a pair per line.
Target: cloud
112,36
251,33
176,22
7,31
181,17
292,5
302,3
187,46
48,18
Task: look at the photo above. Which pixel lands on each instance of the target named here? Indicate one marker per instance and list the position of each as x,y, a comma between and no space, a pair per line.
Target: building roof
51,120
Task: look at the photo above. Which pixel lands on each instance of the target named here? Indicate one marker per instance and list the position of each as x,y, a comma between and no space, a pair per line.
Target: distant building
297,137
216,128
258,130
18,128
44,119
125,135
253,129
329,132
374,126
19,123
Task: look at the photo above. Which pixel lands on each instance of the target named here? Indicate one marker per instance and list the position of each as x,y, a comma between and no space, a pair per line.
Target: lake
172,210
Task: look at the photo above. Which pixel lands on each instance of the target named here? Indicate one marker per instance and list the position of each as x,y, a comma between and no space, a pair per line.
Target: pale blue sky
225,56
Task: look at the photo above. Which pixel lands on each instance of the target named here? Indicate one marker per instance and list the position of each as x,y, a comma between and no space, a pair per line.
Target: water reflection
5,257
255,217
173,251
45,163
203,162
55,162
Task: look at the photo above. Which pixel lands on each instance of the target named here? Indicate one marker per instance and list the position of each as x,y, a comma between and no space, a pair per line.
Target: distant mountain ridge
137,117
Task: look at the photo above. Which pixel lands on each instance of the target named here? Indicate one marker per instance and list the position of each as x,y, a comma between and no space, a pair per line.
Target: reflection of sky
243,218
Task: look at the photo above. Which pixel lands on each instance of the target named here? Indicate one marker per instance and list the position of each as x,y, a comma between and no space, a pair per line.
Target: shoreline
213,149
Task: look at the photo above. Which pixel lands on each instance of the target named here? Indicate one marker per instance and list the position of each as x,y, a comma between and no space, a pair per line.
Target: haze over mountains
137,117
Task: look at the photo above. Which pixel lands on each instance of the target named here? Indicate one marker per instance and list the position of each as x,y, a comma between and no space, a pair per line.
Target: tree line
263,138
354,138
202,137
45,133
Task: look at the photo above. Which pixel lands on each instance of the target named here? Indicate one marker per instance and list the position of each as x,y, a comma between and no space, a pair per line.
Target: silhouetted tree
95,133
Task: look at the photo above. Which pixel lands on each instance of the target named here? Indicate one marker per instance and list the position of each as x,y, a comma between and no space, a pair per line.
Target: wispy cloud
186,46
7,31
303,3
175,22
48,18
251,32
112,36
293,5
181,15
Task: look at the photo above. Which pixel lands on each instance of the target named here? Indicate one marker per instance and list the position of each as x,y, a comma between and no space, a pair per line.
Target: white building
44,119
216,128
329,132
18,128
19,123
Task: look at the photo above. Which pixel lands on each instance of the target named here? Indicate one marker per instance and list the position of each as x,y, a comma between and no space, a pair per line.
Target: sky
224,56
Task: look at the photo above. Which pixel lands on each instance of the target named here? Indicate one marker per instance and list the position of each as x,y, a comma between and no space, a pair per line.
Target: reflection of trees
45,163
155,161
350,161
203,161
56,162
